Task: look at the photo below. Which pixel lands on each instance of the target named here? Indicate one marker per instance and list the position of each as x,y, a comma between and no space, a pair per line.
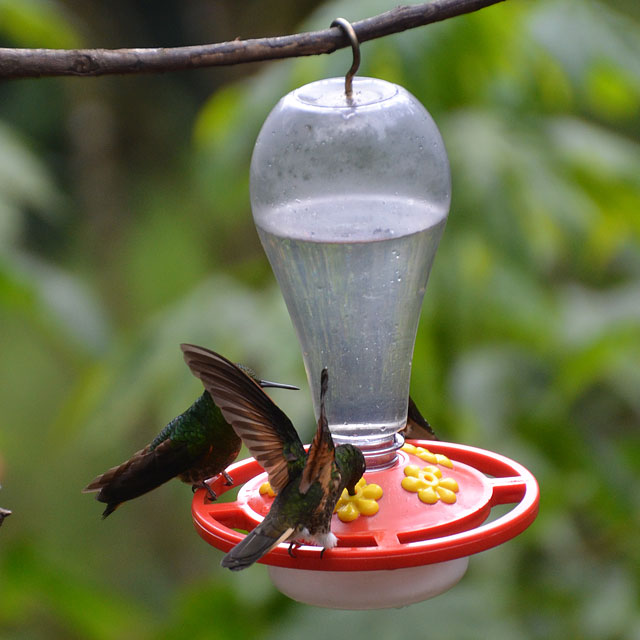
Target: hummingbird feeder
350,192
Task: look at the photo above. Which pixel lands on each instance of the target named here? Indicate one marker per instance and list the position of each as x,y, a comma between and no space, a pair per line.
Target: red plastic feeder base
405,534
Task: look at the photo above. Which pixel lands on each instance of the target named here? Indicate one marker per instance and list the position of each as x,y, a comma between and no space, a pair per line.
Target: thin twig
29,63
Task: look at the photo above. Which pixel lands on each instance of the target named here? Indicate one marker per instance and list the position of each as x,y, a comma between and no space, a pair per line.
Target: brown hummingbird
307,486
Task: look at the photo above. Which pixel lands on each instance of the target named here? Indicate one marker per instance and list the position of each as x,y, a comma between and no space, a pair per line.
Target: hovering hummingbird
417,427
196,445
308,486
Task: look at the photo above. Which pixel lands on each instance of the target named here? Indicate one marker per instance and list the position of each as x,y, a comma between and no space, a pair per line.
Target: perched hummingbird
308,486
196,445
417,427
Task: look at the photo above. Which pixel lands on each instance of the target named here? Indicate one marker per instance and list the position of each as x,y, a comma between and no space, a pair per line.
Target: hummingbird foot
228,478
293,545
211,494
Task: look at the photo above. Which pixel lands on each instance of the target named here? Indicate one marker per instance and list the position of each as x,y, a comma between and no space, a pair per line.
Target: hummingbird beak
278,385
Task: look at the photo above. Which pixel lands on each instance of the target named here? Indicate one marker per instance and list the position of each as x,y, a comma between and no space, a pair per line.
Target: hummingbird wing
321,459
417,427
263,426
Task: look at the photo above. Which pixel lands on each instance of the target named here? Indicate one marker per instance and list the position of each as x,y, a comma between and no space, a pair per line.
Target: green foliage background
125,229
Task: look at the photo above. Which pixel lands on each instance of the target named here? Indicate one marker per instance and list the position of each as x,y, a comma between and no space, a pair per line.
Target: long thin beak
278,385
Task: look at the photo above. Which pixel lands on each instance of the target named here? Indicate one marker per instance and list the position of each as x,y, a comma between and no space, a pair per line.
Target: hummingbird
307,486
417,427
194,446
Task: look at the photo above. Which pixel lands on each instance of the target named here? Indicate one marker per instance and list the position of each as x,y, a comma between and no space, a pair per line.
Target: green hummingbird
196,445
417,427
307,486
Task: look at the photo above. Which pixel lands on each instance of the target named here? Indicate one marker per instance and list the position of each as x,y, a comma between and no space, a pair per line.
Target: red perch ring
405,532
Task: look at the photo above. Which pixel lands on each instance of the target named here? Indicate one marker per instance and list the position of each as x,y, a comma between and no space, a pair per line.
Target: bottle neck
379,454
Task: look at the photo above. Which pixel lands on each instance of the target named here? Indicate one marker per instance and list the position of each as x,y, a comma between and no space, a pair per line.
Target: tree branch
30,63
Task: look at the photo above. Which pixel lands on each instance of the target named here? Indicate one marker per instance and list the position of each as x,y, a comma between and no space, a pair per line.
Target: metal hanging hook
346,26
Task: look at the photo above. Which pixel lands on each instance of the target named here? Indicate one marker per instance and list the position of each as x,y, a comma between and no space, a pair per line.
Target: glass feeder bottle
350,197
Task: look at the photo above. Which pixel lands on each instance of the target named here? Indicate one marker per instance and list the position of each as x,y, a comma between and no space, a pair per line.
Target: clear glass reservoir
350,198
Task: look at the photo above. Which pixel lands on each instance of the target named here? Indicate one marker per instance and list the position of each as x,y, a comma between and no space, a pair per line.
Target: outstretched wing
320,461
263,427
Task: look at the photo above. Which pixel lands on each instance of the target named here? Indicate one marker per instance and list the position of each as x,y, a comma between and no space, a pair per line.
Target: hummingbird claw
292,547
211,494
228,478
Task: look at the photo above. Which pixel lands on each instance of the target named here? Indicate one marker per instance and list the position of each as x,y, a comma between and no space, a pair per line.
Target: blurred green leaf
39,24
24,182
33,586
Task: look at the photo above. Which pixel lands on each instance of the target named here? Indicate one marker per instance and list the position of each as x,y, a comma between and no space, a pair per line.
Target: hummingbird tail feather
111,507
106,478
94,486
252,548
144,471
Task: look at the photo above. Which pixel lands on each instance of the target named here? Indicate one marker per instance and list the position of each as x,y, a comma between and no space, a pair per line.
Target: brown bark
29,63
